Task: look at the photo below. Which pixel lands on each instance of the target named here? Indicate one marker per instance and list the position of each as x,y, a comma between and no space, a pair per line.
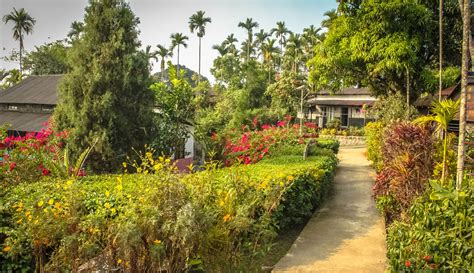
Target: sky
160,18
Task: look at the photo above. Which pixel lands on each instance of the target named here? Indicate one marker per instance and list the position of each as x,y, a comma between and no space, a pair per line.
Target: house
348,105
27,107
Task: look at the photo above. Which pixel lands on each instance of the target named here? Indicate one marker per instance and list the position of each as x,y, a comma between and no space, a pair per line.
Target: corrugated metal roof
33,90
25,122
348,91
342,102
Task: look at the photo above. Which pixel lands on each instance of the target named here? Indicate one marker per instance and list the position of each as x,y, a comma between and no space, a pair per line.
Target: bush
334,124
407,165
331,144
214,220
438,234
392,108
373,138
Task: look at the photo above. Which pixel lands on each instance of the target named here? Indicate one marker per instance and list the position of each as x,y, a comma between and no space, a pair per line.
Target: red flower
214,136
255,122
247,160
281,123
12,166
265,126
81,172
45,172
407,263
427,258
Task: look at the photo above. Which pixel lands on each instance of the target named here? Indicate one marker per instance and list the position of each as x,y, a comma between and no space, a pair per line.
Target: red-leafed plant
407,166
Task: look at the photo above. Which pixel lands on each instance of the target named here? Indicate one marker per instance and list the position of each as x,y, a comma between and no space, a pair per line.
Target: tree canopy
104,99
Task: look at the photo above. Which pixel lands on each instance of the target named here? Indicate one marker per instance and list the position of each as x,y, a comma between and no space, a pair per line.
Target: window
47,108
12,107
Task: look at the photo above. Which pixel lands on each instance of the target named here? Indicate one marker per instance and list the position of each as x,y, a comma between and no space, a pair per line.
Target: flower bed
215,220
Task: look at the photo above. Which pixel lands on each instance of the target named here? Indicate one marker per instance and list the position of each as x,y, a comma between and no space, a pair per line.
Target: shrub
373,139
334,124
330,144
407,165
392,108
438,234
216,220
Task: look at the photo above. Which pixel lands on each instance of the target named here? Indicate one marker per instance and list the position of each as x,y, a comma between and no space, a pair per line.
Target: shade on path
347,234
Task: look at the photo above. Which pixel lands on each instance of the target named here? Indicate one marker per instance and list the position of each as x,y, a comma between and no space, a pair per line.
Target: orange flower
227,218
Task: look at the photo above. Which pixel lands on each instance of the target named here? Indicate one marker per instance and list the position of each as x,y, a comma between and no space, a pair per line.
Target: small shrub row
215,220
438,235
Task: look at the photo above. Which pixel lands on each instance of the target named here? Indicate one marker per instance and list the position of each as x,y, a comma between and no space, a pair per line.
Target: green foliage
374,132
392,108
105,96
438,234
368,44
175,106
284,93
12,78
49,58
219,219
330,144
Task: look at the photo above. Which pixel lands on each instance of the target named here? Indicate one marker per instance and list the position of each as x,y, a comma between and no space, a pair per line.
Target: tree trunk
162,67
177,70
199,70
466,12
21,49
440,48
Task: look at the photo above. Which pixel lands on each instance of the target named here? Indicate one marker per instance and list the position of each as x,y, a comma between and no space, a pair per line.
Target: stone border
347,140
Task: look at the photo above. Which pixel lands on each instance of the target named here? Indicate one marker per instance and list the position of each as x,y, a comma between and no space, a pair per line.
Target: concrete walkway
347,234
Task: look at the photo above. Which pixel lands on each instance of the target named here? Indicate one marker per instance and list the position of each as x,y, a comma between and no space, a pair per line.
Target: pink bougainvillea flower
45,172
81,172
255,122
281,123
265,126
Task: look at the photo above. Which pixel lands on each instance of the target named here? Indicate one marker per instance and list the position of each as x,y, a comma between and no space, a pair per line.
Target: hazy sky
160,18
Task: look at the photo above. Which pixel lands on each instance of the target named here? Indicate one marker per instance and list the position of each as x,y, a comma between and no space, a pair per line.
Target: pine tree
104,99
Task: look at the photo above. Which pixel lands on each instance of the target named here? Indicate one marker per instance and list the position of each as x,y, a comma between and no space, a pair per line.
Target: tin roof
24,122
33,90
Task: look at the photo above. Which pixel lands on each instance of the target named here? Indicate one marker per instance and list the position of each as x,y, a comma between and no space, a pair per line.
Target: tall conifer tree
104,99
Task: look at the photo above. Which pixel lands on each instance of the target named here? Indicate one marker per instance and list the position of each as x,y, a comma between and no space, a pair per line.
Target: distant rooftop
33,90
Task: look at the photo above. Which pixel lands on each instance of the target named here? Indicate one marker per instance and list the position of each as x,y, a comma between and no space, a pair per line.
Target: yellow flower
51,201
227,217
157,241
119,261
57,205
45,210
69,182
40,203
119,187
7,248
148,154
124,164
113,211
290,177
19,221
157,167
107,193
107,205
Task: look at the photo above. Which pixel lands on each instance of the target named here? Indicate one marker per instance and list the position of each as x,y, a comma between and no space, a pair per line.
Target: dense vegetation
218,219
429,221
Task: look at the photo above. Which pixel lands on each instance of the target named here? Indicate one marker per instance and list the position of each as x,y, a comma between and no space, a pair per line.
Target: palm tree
222,49
295,50
466,12
230,42
151,55
260,38
443,112
76,29
198,22
249,25
280,33
164,53
331,16
22,24
269,50
247,48
177,40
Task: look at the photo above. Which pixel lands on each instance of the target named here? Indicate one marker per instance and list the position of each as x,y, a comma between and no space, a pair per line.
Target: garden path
347,234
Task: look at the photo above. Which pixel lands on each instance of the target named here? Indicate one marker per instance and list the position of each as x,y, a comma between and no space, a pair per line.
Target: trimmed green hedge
215,220
331,144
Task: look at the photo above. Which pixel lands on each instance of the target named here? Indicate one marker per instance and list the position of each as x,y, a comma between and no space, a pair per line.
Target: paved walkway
347,234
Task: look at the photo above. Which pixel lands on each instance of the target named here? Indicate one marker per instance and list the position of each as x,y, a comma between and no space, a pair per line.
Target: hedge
215,220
